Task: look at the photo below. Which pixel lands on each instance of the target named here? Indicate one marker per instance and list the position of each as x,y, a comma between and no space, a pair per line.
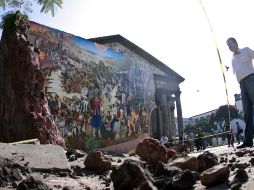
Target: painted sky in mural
92,89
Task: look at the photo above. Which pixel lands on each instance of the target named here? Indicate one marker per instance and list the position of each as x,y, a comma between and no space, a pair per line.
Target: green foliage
221,114
47,5
7,22
19,4
83,142
192,128
3,3
73,142
92,143
211,119
10,20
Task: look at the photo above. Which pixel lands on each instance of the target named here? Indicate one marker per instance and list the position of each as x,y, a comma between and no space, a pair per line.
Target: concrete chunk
37,157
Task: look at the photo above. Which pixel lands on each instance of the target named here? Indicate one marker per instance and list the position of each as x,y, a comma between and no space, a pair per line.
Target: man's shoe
244,145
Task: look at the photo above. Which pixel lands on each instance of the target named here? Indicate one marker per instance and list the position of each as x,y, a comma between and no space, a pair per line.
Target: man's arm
233,67
251,52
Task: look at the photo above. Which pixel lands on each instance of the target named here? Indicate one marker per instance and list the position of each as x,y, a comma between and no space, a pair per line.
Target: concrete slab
126,146
37,157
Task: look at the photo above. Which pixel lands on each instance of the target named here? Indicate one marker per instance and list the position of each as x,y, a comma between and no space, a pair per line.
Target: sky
176,32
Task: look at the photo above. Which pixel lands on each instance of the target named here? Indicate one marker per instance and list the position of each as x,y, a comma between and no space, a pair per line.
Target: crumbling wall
23,106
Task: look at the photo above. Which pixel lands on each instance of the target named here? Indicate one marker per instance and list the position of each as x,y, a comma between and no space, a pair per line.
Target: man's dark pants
247,92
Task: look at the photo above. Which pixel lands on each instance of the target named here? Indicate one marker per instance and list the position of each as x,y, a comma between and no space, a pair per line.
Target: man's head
232,45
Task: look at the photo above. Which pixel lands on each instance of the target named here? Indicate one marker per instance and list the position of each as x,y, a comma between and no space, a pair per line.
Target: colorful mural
92,89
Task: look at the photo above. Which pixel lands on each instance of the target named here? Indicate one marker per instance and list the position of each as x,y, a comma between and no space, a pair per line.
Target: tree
221,114
47,5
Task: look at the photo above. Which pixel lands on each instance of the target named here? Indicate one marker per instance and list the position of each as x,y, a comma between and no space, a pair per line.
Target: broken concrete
37,157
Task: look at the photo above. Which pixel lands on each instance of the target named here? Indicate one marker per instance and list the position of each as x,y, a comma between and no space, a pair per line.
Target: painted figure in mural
96,112
107,130
61,125
84,104
108,90
55,105
243,69
108,120
85,124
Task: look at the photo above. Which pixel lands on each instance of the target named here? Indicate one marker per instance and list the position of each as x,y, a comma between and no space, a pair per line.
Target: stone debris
187,162
131,175
240,178
102,170
185,179
215,175
9,172
171,152
37,157
32,183
95,160
252,161
206,160
152,151
165,169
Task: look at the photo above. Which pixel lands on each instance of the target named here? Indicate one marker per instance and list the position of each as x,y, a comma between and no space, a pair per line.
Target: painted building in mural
97,90
166,83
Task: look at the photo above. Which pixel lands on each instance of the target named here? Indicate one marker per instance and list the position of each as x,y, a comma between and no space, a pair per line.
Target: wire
218,53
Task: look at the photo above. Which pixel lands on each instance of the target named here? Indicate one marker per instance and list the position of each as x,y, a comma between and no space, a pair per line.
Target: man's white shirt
242,63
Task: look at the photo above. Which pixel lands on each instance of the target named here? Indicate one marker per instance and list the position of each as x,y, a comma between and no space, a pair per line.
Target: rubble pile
9,172
107,170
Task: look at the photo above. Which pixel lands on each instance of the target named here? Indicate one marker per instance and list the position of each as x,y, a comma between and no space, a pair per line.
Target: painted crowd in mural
91,89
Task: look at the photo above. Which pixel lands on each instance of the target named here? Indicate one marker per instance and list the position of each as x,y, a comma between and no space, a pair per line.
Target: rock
235,185
180,148
9,172
206,160
171,152
67,188
188,162
32,183
184,180
252,161
163,182
232,160
152,151
95,160
241,175
130,175
23,84
223,160
241,153
79,153
239,165
148,185
167,170
215,175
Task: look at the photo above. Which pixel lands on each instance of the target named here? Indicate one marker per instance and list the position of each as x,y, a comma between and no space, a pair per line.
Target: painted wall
90,86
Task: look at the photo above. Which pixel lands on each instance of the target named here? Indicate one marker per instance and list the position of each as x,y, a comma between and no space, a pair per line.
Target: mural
92,89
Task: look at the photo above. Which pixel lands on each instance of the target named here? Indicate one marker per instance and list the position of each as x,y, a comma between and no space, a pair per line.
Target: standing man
239,132
243,69
164,139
